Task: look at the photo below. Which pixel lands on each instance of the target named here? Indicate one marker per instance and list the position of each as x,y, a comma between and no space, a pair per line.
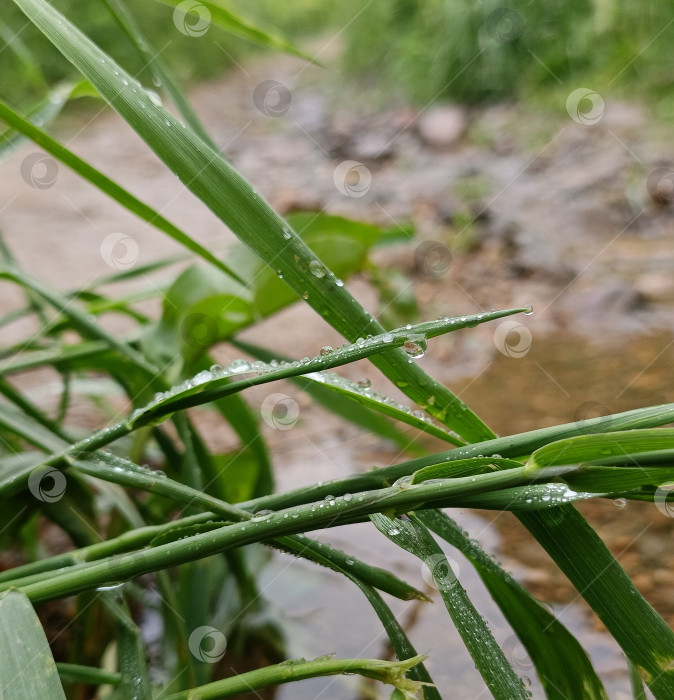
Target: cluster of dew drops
414,347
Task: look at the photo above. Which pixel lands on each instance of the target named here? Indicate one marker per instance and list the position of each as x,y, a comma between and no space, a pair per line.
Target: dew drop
364,383
317,269
620,502
529,310
393,532
327,350
339,283
415,346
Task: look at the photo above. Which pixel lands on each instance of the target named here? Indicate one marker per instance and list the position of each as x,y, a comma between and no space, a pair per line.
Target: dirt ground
510,206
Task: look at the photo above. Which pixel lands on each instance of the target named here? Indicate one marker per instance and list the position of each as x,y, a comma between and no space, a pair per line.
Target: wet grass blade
577,550
552,648
586,448
411,535
27,668
154,62
391,672
239,206
399,641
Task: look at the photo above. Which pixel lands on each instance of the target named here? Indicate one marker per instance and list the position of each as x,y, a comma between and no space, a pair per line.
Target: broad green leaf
203,306
27,668
232,199
552,648
494,668
586,448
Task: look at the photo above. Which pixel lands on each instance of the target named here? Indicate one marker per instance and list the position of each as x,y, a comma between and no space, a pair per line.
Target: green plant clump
159,522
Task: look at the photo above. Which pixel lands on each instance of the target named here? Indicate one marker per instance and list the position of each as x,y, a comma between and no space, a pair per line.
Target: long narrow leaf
233,200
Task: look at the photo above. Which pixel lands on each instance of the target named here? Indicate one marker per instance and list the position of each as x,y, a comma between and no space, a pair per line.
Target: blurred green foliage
476,51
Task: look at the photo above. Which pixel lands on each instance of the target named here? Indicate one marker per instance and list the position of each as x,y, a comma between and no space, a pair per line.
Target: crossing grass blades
146,504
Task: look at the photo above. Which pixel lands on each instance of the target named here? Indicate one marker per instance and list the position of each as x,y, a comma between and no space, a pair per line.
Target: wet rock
442,126
656,286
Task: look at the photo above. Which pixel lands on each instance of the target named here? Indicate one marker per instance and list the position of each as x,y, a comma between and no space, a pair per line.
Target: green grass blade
552,648
76,673
586,448
238,205
411,535
643,635
27,668
134,680
342,403
108,186
510,446
227,20
399,641
391,672
153,60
